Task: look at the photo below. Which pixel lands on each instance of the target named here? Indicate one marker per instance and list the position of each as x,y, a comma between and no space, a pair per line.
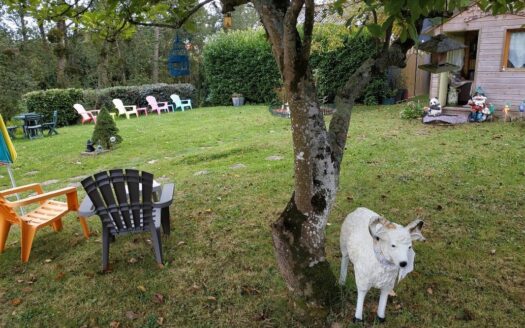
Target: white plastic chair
186,103
119,105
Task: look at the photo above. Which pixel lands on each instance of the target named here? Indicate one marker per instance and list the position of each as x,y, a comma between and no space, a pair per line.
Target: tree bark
43,36
103,66
156,46
23,26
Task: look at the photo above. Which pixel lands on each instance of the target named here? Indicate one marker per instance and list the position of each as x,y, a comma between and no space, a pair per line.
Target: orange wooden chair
50,212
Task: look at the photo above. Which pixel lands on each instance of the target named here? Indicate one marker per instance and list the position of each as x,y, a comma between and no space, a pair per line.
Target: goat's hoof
379,319
356,320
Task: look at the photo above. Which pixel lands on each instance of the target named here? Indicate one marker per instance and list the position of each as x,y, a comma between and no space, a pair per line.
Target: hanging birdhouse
178,60
228,22
439,46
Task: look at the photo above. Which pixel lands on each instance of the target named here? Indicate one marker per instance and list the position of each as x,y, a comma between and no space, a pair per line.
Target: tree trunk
23,26
156,46
122,62
43,36
103,66
60,51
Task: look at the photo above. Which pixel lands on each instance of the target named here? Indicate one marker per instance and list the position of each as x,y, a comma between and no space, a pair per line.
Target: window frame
505,58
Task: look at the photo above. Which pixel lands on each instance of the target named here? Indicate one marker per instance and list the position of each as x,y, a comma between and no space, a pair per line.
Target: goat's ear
377,227
414,228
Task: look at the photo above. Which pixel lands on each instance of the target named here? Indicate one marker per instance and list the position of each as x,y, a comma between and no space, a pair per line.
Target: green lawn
467,183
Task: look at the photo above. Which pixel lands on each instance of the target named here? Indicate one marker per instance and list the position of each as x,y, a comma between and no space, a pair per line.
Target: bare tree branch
309,13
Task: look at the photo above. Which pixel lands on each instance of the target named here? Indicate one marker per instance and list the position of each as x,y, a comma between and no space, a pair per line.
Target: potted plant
390,97
237,99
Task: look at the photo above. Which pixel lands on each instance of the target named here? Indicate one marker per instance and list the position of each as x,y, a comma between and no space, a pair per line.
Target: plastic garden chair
87,115
124,202
186,103
51,126
48,213
119,105
155,106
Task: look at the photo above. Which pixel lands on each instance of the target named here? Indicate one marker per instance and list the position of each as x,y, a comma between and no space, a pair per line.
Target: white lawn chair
119,105
186,103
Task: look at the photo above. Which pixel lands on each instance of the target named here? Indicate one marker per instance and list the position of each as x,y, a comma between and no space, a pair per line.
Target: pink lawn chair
87,115
155,106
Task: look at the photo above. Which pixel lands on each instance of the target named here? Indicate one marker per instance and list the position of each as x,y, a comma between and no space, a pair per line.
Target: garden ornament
435,107
381,253
89,146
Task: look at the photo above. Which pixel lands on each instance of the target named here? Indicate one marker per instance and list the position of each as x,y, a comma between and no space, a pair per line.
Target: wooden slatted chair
49,213
124,202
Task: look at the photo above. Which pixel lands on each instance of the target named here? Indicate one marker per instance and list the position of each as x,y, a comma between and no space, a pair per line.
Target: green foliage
412,110
47,101
61,100
106,131
242,62
338,58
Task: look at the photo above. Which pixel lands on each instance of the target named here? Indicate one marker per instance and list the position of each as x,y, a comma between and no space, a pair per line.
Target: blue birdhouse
178,61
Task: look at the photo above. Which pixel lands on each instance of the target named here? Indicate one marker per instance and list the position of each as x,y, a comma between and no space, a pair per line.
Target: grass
467,183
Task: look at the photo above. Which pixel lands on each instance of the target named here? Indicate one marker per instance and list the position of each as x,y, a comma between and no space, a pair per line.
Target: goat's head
394,240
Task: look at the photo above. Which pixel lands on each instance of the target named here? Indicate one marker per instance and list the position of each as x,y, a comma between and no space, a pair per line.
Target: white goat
380,251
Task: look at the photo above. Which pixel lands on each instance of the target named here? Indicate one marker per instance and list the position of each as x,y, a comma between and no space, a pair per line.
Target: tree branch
309,14
178,24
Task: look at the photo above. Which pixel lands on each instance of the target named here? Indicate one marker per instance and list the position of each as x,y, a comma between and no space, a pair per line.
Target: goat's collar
387,264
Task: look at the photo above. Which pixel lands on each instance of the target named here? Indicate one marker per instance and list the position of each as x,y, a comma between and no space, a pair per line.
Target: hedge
62,100
242,62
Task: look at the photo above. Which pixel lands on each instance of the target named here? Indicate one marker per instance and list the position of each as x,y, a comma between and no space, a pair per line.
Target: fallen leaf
160,321
180,243
132,315
16,301
141,288
397,306
27,289
48,260
132,260
60,276
114,324
158,298
194,287
492,251
392,293
430,291
211,299
20,281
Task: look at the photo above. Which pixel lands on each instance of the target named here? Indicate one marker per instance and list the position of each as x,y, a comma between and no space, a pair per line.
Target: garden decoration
381,253
480,112
506,110
522,109
178,62
434,108
105,134
89,146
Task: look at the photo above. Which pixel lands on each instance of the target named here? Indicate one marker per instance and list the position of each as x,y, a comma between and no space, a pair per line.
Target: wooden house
494,58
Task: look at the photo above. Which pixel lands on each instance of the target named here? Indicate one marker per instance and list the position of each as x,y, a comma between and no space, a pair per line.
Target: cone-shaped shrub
105,130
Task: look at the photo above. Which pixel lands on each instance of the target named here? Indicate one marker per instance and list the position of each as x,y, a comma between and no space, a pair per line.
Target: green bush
240,62
62,100
45,102
412,110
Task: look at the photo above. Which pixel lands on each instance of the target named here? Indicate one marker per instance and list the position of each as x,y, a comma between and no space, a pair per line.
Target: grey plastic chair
51,126
124,202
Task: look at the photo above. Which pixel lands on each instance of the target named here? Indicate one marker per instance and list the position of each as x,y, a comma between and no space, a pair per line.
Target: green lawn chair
51,126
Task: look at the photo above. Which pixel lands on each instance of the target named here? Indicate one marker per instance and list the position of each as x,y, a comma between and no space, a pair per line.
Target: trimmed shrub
62,100
45,102
240,62
106,131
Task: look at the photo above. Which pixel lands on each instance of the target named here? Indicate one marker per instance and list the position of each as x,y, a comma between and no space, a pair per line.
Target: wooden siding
501,86
416,79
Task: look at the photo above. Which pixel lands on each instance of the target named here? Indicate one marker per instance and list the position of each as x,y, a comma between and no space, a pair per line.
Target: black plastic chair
124,202
51,126
33,126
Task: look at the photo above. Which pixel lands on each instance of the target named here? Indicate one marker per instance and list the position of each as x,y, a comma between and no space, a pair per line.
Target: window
514,52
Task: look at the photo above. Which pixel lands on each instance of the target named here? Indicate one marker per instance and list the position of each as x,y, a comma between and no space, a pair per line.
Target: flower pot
238,101
389,101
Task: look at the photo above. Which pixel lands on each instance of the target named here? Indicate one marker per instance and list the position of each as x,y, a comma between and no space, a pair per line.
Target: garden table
27,118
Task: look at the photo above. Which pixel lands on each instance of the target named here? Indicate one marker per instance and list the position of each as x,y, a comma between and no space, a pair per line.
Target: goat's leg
361,294
383,298
344,269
